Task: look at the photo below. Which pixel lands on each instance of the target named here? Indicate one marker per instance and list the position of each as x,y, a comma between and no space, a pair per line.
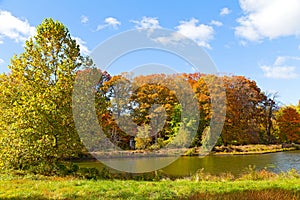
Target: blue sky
256,39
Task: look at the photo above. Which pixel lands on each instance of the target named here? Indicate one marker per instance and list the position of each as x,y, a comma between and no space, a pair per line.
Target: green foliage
182,138
36,122
206,140
190,152
142,139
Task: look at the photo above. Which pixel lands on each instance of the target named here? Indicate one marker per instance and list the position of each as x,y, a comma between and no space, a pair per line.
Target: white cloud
112,22
225,11
268,19
200,33
216,23
279,70
175,38
14,28
84,19
109,22
147,23
1,61
82,44
283,72
280,60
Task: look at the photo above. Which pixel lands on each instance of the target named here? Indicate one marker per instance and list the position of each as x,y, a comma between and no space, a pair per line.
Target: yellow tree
37,127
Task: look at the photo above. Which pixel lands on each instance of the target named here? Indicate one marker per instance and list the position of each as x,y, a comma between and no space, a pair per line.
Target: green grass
285,186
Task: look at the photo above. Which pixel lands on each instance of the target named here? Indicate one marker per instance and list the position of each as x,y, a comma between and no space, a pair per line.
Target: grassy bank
197,151
261,185
252,149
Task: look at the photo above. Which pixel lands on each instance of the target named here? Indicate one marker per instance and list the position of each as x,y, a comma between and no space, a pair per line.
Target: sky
257,39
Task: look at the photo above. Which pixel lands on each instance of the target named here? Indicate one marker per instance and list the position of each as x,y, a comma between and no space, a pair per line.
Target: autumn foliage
289,125
37,126
245,122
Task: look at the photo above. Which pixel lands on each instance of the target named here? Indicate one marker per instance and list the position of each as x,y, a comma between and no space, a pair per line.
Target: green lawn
36,187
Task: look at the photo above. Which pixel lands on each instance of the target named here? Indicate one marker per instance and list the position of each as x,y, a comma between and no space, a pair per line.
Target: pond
217,164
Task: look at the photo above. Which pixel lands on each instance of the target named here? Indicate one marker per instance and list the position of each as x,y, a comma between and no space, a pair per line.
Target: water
235,164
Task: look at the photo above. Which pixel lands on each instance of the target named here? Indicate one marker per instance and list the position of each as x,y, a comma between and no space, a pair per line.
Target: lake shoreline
195,151
253,149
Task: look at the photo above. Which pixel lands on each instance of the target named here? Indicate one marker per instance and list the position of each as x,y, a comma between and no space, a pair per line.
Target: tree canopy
37,127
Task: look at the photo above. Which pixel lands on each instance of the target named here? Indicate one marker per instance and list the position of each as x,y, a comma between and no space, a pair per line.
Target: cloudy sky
255,38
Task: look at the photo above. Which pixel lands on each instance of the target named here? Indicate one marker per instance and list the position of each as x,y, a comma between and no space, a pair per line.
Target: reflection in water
139,165
287,160
185,166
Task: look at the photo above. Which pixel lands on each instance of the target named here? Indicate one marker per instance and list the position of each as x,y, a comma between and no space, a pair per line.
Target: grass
267,194
253,185
252,149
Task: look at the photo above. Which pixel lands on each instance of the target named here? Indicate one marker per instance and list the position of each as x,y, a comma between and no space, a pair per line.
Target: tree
37,127
114,114
243,111
155,105
200,83
289,125
270,106
89,103
206,140
142,138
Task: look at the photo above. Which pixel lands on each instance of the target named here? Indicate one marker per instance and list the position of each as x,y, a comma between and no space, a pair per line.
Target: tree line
37,127
252,116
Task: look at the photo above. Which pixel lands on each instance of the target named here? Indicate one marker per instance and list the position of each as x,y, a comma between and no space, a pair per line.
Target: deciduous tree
37,127
289,125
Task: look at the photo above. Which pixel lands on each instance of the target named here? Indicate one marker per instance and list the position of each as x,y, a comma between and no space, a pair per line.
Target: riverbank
252,149
195,151
261,185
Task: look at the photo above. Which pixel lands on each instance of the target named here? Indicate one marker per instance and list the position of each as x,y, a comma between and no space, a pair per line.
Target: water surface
215,164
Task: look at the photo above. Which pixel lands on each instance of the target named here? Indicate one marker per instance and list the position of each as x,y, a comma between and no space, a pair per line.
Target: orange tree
244,107
289,125
243,111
